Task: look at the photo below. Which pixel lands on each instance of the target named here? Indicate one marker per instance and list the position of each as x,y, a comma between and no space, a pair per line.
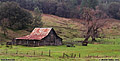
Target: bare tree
93,22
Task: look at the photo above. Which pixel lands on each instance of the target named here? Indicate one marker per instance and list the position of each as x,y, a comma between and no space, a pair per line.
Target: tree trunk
5,32
86,38
94,35
93,39
85,42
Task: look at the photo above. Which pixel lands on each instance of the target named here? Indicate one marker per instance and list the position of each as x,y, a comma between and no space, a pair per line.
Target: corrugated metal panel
37,34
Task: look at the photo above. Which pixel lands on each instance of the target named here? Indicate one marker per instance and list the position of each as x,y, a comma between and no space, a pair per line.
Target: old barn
40,37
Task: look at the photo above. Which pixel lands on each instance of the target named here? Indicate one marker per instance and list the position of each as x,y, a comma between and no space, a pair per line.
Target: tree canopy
18,18
65,8
89,3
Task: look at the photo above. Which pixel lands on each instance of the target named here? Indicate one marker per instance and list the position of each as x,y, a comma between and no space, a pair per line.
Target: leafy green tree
60,11
89,3
108,1
114,9
63,8
37,11
37,22
37,18
18,17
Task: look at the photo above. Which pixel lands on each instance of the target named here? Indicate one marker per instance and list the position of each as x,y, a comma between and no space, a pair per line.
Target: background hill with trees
70,8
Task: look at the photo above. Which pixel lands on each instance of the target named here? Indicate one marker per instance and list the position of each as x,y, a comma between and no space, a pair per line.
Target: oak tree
93,22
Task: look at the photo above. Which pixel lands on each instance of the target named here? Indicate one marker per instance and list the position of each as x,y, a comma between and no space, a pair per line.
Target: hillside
68,29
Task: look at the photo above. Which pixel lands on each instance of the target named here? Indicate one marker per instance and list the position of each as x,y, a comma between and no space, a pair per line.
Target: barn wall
29,42
58,41
52,39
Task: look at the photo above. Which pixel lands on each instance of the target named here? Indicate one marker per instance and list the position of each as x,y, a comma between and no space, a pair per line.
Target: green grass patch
57,52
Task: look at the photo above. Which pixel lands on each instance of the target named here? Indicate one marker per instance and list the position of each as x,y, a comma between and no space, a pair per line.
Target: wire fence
49,53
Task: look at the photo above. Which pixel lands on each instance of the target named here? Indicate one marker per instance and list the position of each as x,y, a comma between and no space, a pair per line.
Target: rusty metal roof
37,34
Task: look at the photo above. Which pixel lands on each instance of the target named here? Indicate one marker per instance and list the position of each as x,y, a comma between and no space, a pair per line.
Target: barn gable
53,33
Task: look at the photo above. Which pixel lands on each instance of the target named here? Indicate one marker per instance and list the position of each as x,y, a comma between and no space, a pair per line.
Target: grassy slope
65,28
70,28
12,34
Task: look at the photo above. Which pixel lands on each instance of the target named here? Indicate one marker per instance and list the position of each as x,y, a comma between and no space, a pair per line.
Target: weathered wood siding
52,39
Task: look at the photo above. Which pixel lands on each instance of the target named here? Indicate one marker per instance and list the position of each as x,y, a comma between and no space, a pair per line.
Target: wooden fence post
66,55
41,53
27,53
72,55
34,52
88,55
6,51
17,52
63,55
97,56
79,55
49,53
